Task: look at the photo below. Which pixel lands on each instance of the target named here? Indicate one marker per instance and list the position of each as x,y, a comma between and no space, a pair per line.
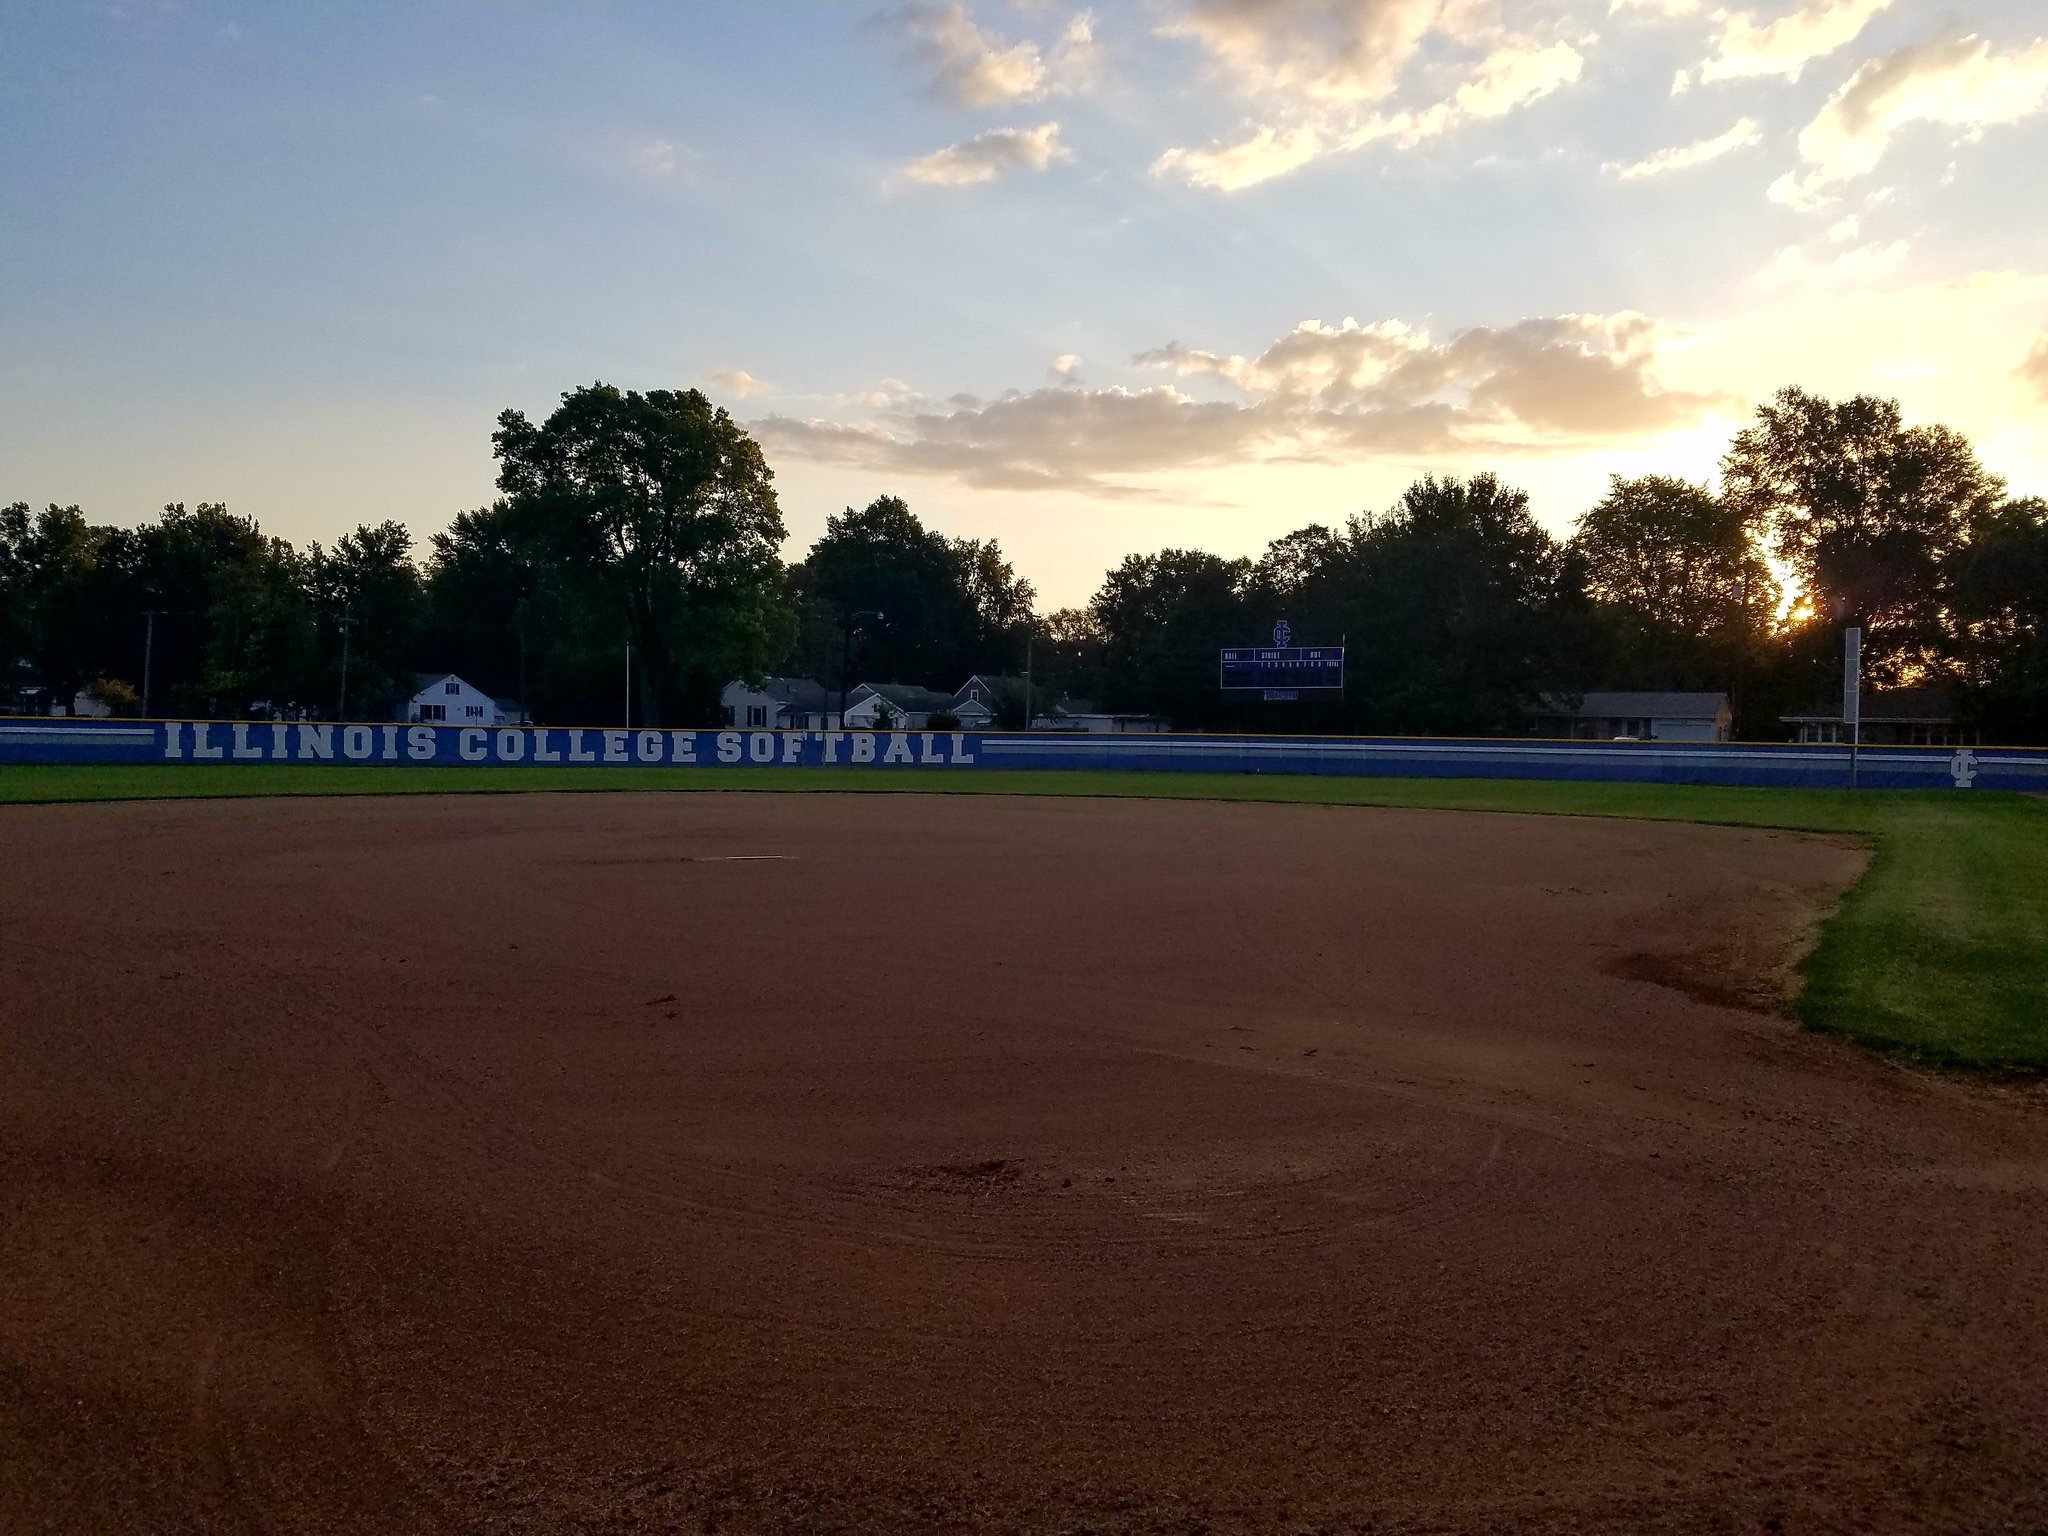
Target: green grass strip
1940,954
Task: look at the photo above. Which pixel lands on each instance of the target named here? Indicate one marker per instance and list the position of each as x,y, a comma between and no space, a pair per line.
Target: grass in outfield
1939,954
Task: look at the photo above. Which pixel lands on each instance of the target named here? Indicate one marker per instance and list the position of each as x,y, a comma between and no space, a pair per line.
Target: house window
757,714
433,712
473,711
451,687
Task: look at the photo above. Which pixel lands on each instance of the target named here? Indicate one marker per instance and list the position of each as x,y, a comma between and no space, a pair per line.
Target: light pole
347,621
519,615
148,654
629,685
1030,635
1852,691
846,654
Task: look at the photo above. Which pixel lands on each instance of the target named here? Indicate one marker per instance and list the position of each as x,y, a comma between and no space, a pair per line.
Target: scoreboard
1284,670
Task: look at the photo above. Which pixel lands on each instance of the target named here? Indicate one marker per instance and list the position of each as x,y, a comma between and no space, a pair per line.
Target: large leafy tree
61,579
1162,620
368,600
261,648
16,576
1677,577
882,559
1866,510
1457,604
950,607
232,617
488,616
662,509
1998,586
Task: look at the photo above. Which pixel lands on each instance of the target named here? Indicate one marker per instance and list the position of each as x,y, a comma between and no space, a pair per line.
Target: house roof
994,687
1901,706
799,693
1631,706
909,697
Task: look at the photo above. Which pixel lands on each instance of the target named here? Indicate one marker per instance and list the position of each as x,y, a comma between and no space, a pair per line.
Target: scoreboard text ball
1283,668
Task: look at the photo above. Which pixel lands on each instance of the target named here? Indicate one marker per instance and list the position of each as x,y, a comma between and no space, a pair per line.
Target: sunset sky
1092,282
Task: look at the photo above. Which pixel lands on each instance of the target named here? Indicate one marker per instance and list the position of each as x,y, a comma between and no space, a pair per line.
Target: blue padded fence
228,743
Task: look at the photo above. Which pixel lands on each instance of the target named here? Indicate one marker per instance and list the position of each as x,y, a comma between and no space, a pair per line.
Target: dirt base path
807,1163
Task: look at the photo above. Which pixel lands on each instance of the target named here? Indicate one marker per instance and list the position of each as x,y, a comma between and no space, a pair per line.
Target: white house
906,708
781,704
444,698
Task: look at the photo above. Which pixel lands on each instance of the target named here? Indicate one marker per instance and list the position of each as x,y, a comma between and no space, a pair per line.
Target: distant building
904,706
1082,717
1608,716
442,698
781,704
979,701
1892,717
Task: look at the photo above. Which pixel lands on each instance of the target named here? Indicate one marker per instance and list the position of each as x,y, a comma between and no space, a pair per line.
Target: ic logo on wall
1963,768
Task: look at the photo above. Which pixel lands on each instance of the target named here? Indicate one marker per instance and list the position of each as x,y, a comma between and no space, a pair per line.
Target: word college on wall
227,743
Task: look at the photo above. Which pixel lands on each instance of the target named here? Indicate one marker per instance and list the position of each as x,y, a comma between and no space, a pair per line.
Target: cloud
1515,75
1683,157
1859,264
1066,368
1328,73
887,394
995,152
1267,153
965,65
1660,8
1952,79
657,157
1076,57
738,383
1747,47
1332,51
1321,393
2035,369
968,66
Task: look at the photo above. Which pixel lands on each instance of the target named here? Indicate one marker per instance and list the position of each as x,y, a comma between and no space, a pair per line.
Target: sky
1089,281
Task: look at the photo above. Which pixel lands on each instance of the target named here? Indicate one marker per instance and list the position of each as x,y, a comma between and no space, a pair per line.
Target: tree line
650,521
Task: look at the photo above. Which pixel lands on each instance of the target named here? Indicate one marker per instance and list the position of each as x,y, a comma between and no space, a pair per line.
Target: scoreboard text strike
1283,668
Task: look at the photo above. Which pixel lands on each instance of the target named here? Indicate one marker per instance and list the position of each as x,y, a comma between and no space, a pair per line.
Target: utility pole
347,620
519,624
1852,692
148,654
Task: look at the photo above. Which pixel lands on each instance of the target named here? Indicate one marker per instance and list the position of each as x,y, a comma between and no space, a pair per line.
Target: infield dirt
899,1163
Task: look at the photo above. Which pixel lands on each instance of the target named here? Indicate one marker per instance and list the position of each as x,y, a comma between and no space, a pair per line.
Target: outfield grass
1939,954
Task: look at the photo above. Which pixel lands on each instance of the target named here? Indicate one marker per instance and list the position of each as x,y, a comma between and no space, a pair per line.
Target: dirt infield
815,1162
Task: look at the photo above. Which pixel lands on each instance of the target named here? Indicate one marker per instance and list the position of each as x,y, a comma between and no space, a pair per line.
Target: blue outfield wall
229,743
